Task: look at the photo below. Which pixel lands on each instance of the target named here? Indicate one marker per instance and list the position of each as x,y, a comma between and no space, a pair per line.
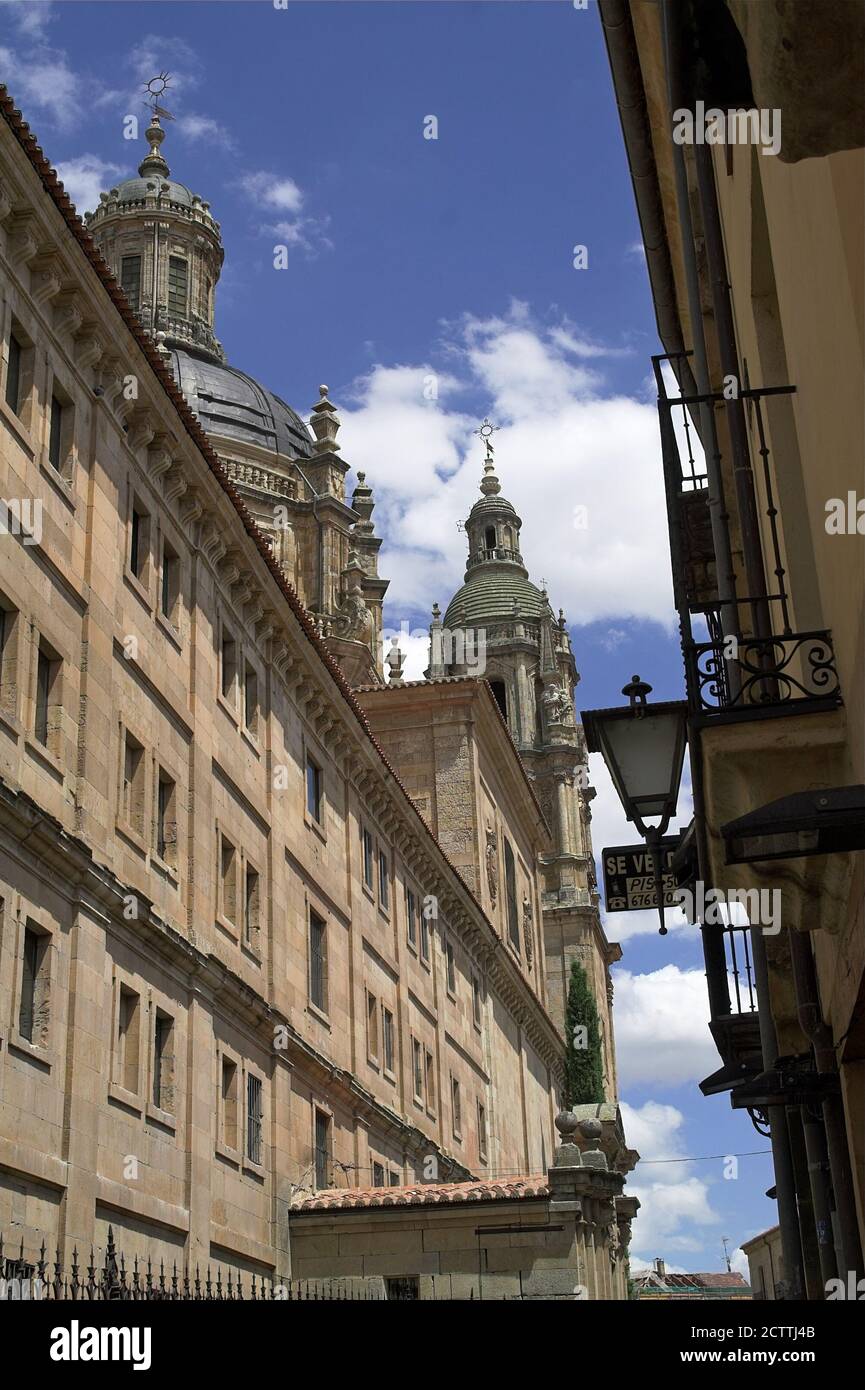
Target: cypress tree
584,1072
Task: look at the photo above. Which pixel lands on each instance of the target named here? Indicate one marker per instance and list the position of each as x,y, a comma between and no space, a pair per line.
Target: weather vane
486,432
155,88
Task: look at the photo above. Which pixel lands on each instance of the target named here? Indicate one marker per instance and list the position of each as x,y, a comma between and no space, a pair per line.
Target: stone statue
528,931
353,619
492,857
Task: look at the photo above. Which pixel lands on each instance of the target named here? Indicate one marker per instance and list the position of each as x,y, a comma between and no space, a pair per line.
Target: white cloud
674,1202
193,126
562,444
42,83
662,1027
30,17
270,191
85,178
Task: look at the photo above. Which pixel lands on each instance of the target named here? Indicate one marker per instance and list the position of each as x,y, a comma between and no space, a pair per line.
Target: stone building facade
236,965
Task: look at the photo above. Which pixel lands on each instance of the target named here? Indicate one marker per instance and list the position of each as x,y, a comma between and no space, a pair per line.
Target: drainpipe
813,1025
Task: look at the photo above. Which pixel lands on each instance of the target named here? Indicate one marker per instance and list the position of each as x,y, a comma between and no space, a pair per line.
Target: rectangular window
128,1039
250,698
476,1001
229,1103
170,588
387,1040
163,1062
251,895
511,889
411,916
130,279
417,1068
228,879
166,818
139,542
33,1006
9,660
178,285
47,693
13,374
322,1149
132,801
394,1178
371,1027
366,841
424,937
451,967
456,1108
378,1175
482,1131
228,664
254,1118
318,961
313,789
430,1069
383,879
55,434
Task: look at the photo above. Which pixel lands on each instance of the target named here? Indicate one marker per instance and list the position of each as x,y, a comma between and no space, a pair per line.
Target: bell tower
501,625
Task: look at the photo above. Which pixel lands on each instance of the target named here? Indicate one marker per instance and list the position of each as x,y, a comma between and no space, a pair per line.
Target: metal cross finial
486,432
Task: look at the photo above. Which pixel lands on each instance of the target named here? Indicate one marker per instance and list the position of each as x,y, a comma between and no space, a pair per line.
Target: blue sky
449,261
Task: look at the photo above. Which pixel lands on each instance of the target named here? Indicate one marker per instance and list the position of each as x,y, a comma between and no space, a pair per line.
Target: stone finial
594,1156
567,1153
395,660
325,423
566,1123
154,162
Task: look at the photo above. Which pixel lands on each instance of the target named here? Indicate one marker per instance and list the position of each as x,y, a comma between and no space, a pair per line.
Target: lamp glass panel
647,754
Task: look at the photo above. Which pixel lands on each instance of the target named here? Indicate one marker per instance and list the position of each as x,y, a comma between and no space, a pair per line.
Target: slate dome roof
491,593
136,190
228,402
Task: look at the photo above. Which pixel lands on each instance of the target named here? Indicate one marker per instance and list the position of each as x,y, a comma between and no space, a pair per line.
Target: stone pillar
583,1189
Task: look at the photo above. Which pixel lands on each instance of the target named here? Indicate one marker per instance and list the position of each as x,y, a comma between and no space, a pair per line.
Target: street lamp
643,747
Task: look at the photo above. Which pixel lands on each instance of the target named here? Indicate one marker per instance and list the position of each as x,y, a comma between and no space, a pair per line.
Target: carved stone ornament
492,857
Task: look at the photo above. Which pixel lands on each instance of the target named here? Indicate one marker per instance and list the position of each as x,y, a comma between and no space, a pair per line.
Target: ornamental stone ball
591,1129
566,1123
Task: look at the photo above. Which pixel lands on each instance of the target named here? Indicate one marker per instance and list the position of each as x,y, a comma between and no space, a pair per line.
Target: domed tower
500,625
165,248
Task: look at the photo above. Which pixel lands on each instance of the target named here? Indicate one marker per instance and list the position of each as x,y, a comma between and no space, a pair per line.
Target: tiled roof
660,1282
424,1194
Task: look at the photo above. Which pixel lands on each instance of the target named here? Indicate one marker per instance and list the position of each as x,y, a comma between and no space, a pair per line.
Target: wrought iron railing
750,663
41,1279
740,969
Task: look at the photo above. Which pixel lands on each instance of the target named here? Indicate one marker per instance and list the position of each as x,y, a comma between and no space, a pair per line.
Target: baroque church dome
166,250
229,402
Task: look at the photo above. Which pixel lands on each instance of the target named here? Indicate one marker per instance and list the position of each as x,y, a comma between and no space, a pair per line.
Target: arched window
490,538
501,694
511,893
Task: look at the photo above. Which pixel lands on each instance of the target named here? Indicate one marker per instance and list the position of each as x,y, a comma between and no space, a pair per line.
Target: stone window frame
417,1052
64,475
160,1114
231,706
450,964
312,753
384,877
389,1071
23,418
173,627
456,1108
248,1164
125,827
233,1154
477,1001
137,502
170,869
372,1026
123,982
12,666
365,831
251,939
28,918
483,1130
430,1092
50,753
319,1105
315,905
228,925
412,939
